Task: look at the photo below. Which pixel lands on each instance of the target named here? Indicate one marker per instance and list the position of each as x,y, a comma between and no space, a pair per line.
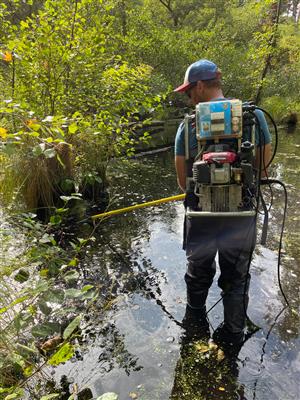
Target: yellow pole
136,206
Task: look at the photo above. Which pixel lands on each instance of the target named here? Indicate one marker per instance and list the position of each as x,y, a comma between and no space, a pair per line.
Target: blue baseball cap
202,70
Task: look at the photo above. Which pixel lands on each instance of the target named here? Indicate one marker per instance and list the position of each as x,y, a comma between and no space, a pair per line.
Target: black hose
276,181
269,181
276,134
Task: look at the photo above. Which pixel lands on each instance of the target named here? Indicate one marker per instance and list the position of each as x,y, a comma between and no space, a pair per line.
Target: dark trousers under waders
234,240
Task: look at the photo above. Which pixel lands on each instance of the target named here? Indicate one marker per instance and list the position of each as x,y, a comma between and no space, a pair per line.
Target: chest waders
220,201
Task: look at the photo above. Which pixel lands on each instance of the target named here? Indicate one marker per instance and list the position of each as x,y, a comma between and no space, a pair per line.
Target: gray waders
233,238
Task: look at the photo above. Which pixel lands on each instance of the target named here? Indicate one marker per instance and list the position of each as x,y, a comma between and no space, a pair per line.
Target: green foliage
78,81
238,36
62,355
36,311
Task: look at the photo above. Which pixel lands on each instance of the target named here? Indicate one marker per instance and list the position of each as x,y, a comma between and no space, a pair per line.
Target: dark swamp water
134,347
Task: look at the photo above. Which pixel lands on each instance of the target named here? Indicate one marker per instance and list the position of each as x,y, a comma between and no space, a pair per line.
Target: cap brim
183,88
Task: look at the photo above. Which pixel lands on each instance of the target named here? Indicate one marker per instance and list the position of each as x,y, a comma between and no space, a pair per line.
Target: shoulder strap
186,137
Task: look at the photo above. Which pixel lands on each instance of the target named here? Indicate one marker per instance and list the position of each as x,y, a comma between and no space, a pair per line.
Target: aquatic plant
40,308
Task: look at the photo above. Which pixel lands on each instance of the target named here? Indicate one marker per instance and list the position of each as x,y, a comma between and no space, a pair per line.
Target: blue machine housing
218,119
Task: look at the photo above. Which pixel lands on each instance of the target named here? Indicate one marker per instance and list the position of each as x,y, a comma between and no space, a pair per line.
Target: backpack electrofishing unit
223,180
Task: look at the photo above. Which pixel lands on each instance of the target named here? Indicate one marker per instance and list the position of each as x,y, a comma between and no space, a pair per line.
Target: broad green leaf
44,307
73,293
71,327
46,329
54,296
62,355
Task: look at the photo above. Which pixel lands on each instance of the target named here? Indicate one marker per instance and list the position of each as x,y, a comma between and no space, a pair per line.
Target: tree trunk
272,45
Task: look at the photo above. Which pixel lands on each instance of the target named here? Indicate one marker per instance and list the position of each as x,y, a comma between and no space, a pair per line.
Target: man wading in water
232,237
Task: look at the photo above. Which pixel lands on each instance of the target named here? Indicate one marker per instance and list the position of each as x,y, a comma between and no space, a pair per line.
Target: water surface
134,347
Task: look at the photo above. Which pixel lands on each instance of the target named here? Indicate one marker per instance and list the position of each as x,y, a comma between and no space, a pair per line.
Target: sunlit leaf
3,133
62,355
35,127
73,262
73,128
86,288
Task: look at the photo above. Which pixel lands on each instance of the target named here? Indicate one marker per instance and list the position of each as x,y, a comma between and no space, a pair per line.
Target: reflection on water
203,373
135,349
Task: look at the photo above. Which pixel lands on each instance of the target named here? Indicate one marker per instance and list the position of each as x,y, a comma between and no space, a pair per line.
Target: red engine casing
220,157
